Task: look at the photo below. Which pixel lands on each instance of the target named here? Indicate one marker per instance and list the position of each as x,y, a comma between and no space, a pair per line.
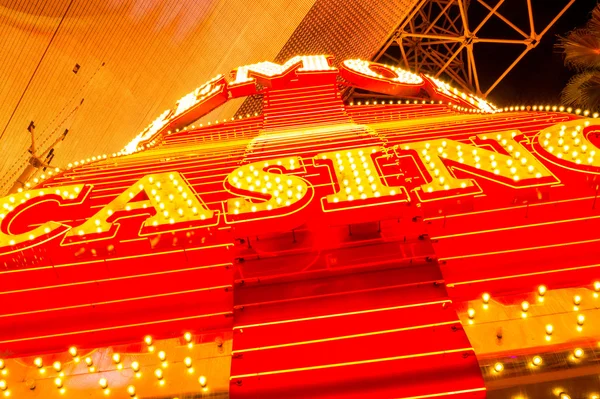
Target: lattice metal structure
438,38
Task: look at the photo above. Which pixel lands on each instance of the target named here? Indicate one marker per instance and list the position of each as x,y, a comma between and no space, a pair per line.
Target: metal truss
436,38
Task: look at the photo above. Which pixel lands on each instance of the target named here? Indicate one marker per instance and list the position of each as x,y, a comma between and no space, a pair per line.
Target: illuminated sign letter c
15,204
567,145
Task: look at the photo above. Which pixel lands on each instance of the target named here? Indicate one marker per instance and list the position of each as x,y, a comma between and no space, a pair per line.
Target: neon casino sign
353,185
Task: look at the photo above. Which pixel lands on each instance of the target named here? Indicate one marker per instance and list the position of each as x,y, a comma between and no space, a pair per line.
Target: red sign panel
313,230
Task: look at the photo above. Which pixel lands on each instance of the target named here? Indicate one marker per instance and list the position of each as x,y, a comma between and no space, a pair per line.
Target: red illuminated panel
341,245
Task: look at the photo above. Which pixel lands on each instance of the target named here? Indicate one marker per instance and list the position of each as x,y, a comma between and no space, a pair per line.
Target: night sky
541,75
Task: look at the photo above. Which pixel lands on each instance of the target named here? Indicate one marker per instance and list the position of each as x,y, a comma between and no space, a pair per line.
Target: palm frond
594,22
583,90
581,48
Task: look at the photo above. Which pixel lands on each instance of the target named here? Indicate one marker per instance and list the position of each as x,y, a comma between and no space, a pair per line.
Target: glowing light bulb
542,290
578,352
131,390
38,362
577,299
580,319
202,381
103,383
549,329
524,306
498,367
188,362
188,337
471,313
135,366
57,366
162,355
148,340
159,374
537,360
486,297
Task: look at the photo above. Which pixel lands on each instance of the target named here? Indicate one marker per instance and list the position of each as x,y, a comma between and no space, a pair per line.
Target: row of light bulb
448,90
541,291
116,359
547,108
402,76
266,68
406,77
197,96
416,102
8,203
80,163
3,384
209,123
537,361
43,176
183,104
525,305
517,108
121,153
155,127
391,102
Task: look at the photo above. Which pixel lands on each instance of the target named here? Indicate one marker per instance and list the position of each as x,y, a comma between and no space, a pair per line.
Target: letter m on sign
275,75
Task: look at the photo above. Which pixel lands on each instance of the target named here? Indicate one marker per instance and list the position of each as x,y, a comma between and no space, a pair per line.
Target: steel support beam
437,38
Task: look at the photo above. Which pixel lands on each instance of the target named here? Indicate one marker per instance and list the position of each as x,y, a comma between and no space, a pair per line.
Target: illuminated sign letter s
272,192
